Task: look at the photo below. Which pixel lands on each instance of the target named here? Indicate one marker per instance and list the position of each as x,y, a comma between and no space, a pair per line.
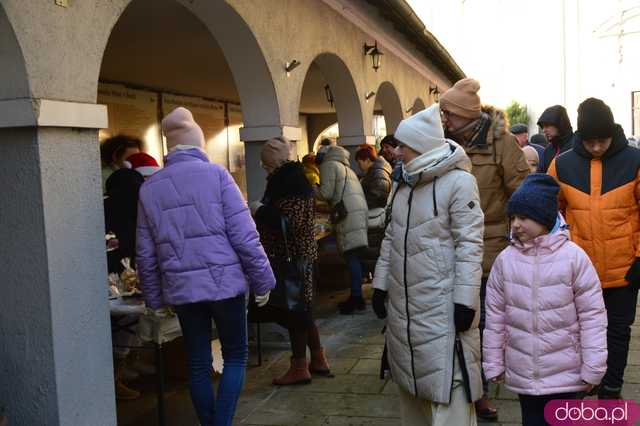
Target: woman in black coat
290,195
120,215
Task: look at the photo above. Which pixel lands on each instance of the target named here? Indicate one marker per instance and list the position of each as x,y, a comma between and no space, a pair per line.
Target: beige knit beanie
180,128
275,152
462,99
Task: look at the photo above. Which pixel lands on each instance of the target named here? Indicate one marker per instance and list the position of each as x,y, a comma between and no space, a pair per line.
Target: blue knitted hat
537,199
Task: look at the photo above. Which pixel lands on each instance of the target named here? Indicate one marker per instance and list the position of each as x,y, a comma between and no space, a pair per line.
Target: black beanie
595,120
537,199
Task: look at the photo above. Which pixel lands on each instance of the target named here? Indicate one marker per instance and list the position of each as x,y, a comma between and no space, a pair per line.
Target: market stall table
151,328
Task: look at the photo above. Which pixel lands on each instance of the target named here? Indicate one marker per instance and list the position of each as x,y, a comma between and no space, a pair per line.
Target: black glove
377,301
462,317
633,274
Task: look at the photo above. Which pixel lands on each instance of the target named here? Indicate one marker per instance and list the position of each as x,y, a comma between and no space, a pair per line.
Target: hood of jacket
618,143
499,123
437,162
493,124
547,243
557,116
180,155
287,180
380,165
337,153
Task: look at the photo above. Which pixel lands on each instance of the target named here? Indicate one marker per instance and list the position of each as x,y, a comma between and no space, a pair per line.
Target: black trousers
532,407
621,313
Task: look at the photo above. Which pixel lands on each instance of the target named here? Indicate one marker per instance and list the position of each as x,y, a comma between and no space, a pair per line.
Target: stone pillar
254,138
55,357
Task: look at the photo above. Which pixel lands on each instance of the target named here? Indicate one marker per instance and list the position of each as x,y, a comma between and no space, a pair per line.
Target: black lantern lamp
290,66
376,55
369,95
433,90
328,94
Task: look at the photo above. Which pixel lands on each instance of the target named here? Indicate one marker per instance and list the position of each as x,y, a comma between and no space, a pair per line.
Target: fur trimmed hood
499,122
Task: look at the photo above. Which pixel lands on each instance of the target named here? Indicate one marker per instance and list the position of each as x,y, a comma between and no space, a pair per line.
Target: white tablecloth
150,328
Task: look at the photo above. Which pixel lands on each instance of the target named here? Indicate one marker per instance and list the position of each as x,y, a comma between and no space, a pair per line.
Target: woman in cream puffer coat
339,183
429,267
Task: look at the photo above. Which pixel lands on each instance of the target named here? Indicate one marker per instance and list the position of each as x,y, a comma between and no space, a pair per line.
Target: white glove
262,300
254,206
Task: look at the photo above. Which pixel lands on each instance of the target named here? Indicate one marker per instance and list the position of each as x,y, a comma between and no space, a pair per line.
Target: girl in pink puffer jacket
546,324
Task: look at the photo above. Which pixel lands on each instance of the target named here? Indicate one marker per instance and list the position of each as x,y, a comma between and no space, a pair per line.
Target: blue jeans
355,270
230,318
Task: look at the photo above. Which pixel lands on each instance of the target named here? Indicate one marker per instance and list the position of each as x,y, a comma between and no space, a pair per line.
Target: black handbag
339,212
289,272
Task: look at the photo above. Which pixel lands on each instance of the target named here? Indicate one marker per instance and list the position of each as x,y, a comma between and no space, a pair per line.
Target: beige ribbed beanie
275,152
180,128
462,99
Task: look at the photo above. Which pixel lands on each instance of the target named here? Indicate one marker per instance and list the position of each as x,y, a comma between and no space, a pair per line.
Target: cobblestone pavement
355,396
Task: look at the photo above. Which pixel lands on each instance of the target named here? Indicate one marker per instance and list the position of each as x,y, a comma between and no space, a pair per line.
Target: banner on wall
134,113
210,117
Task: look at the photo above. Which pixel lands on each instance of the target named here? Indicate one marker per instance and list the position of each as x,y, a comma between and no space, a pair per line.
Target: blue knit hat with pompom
537,199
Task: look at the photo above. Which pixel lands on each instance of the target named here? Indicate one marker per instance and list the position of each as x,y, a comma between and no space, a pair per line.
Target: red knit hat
143,163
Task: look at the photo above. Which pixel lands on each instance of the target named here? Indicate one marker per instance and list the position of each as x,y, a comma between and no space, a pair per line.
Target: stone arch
243,54
418,105
14,83
347,104
389,101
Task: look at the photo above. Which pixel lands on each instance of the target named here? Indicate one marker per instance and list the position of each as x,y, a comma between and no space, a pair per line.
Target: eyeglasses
445,113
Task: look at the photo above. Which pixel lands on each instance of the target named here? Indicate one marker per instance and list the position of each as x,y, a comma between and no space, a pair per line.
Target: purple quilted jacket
196,240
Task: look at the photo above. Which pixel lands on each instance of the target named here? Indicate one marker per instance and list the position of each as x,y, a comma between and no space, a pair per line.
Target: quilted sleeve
243,237
328,176
514,164
637,195
592,317
494,336
383,269
467,228
147,262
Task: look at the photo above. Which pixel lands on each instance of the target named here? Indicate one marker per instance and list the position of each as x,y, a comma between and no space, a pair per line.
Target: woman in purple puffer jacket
198,250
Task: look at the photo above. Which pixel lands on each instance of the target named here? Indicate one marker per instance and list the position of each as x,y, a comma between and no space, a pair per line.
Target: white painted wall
543,52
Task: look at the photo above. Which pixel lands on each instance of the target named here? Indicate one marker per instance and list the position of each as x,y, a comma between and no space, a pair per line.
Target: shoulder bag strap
345,183
284,221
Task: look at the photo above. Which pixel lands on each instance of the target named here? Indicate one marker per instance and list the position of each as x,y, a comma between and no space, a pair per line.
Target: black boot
606,392
351,305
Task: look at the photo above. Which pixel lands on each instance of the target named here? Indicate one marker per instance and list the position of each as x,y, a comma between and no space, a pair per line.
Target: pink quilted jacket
546,324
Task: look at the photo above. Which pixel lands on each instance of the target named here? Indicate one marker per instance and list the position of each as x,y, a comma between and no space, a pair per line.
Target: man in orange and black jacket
599,194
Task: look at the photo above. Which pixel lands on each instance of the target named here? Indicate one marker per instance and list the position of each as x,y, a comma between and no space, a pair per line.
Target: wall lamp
328,94
290,66
376,55
369,95
433,90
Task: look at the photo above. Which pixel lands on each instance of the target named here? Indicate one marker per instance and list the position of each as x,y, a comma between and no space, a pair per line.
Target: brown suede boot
298,374
319,364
